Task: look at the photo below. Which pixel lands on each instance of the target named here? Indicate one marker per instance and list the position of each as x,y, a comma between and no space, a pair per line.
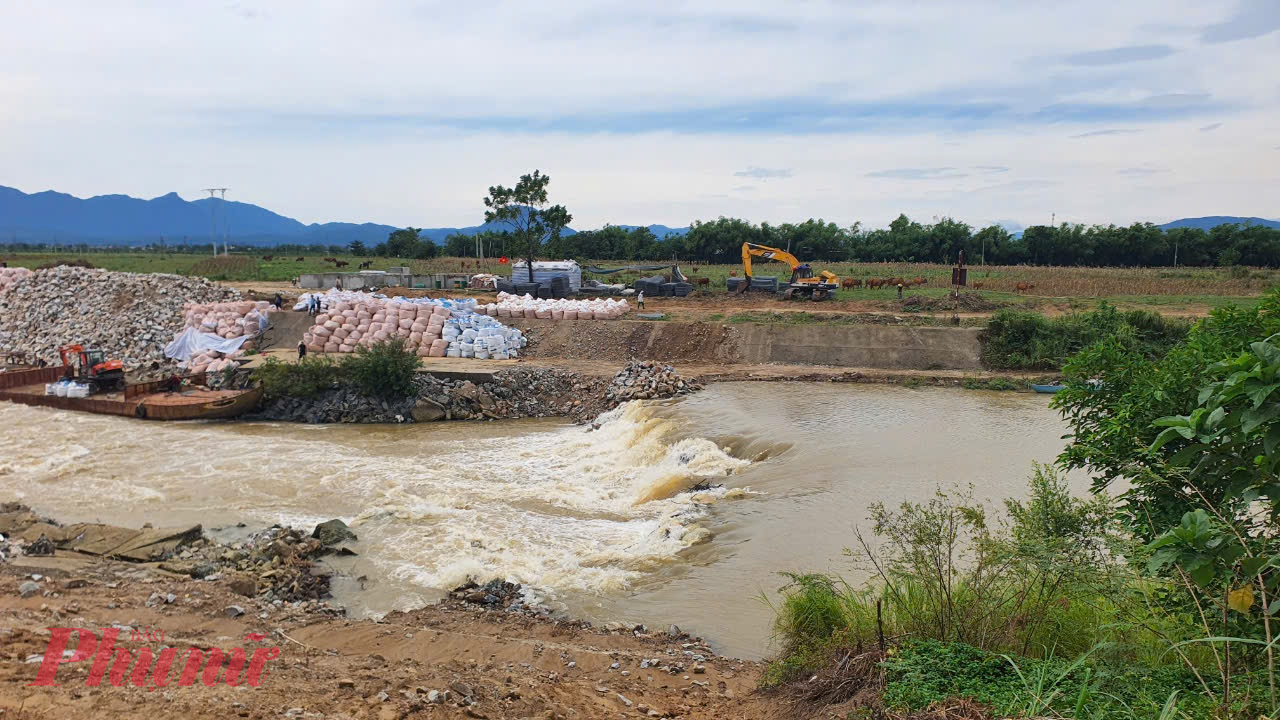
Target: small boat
147,401
1048,388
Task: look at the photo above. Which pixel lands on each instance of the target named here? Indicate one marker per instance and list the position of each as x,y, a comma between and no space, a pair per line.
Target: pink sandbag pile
349,324
527,306
212,361
229,319
12,276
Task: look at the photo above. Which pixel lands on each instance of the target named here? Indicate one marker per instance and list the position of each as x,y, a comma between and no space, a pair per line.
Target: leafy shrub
305,379
383,370
1023,340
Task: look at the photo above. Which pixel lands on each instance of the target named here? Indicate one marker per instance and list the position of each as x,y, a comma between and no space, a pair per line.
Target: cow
978,285
702,282
328,259
875,283
340,263
268,258
1023,287
919,281
300,259
366,264
851,283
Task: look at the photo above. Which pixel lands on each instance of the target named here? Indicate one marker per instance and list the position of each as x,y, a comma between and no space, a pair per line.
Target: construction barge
147,401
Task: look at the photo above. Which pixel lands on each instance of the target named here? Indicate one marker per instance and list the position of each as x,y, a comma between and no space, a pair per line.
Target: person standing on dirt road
640,299
899,291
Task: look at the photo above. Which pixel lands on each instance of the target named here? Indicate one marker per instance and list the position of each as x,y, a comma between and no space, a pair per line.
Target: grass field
1164,289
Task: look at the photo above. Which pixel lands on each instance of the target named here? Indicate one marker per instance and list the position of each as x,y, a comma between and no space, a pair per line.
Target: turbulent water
600,522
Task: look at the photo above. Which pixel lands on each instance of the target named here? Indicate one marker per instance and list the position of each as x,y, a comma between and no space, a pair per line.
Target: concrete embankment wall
889,347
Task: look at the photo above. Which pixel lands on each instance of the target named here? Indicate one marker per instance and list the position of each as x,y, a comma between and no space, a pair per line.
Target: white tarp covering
191,341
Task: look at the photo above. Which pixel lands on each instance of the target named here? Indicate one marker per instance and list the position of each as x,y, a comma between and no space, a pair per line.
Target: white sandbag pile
12,276
430,328
130,316
527,306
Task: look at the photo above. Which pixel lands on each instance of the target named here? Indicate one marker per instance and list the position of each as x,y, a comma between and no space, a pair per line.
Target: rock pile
277,564
12,276
646,380
515,393
129,316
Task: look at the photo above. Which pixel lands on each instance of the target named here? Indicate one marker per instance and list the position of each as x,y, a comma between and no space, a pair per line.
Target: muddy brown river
596,522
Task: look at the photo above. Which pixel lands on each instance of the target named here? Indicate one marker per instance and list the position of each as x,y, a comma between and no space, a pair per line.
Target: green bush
384,370
305,379
1024,340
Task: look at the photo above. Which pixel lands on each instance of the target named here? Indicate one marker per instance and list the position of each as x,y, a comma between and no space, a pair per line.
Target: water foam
560,508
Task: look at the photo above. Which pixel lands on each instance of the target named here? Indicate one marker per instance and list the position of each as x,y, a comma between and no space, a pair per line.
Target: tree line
906,240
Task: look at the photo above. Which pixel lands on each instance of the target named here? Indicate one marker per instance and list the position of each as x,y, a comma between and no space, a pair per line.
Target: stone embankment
511,394
130,316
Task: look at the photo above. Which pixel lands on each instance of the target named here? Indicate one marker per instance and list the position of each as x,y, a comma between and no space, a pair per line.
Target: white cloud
405,113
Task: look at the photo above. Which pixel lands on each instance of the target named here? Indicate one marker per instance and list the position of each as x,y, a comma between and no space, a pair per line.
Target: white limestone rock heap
130,316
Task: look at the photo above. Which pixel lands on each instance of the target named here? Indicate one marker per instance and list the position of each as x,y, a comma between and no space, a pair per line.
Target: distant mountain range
1207,223
54,217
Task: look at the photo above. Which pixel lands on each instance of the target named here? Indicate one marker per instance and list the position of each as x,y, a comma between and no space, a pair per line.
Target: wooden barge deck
148,401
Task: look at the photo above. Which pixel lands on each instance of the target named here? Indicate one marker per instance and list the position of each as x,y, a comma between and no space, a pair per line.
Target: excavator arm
766,252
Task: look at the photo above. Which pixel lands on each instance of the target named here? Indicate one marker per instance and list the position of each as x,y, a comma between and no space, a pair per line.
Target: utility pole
216,194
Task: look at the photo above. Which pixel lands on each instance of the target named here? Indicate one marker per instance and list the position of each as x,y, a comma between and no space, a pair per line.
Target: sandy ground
492,664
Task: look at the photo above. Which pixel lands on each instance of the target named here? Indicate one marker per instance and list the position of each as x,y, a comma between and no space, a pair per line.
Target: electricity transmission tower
219,194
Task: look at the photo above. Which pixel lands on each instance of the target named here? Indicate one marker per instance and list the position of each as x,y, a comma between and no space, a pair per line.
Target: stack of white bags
527,306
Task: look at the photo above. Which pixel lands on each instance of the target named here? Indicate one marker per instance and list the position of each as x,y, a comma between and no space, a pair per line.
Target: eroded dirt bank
466,658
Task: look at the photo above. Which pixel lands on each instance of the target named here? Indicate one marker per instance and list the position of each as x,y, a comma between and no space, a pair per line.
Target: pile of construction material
230,319
430,328
527,306
12,276
645,380
129,316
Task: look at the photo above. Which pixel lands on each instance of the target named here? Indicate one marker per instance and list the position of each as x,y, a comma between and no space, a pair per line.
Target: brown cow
1023,287
300,259
875,283
332,260
851,283
702,282
268,258
340,263
978,285
918,281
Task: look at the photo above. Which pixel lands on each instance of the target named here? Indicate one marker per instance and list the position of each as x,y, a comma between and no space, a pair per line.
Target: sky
404,113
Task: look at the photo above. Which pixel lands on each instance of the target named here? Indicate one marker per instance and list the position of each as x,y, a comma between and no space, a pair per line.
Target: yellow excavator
803,282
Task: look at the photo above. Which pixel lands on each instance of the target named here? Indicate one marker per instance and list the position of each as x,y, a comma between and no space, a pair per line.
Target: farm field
1173,291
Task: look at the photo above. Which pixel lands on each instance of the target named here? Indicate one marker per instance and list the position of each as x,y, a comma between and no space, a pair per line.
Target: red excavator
100,374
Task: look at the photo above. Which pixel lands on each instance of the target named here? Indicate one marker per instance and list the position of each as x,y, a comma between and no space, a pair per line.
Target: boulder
333,532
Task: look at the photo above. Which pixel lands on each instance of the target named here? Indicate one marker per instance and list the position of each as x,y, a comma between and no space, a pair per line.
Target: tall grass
1039,614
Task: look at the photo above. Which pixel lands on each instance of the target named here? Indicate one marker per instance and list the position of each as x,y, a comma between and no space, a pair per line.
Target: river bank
466,657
